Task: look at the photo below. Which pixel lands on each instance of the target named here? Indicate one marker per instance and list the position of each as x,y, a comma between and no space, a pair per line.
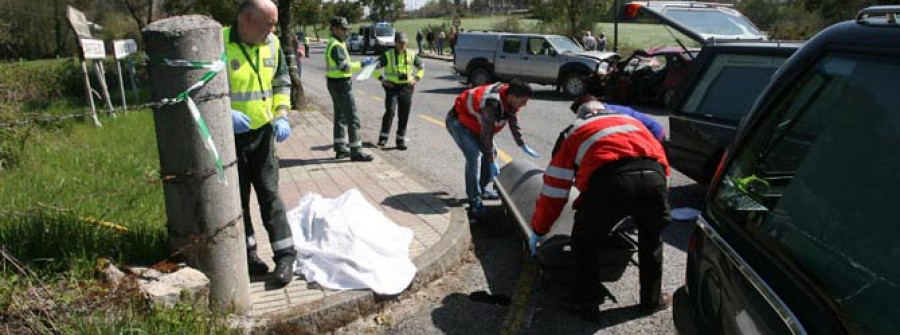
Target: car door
509,59
540,61
806,208
704,120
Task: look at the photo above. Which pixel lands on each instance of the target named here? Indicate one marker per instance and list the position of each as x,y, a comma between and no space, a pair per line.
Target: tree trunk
290,51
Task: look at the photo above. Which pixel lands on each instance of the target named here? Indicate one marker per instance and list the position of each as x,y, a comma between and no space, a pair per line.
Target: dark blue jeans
471,148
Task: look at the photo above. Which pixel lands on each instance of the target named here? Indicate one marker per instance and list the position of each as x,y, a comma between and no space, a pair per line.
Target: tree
289,45
353,11
571,16
306,12
384,10
136,8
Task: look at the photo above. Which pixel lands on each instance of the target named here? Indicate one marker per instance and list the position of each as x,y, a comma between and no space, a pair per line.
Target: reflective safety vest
590,144
469,104
332,68
400,65
255,87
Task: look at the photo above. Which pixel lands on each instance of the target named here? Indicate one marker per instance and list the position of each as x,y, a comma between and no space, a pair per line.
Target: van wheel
480,76
574,84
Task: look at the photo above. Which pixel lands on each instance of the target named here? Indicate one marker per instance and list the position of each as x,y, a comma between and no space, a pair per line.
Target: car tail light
631,10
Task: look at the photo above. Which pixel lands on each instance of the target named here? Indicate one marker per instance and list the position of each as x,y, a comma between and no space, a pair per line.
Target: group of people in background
593,43
437,42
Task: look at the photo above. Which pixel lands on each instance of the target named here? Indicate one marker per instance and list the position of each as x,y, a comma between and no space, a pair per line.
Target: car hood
596,55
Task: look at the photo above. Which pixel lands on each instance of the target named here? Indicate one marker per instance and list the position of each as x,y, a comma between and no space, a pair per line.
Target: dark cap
340,21
581,100
400,37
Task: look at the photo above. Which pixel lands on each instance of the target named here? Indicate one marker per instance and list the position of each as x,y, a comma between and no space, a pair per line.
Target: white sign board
78,21
93,48
123,48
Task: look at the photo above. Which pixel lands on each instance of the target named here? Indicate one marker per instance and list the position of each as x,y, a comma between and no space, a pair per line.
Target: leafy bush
512,24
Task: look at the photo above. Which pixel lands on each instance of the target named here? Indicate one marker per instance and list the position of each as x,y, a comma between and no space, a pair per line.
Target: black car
733,66
800,231
704,115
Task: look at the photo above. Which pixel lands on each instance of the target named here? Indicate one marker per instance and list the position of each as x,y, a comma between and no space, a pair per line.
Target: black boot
284,270
401,145
255,265
360,156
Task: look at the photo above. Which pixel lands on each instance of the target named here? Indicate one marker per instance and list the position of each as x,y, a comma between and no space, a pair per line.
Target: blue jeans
471,148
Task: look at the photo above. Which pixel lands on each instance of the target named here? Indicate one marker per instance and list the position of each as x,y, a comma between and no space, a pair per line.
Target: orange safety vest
469,104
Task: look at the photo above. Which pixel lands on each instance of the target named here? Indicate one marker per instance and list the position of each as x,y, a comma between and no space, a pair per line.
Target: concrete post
204,215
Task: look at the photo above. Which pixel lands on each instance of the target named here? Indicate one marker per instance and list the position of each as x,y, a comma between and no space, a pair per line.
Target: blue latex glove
241,122
532,243
495,169
528,150
282,129
368,61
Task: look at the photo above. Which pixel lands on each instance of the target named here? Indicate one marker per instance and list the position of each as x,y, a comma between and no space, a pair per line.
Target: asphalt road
496,262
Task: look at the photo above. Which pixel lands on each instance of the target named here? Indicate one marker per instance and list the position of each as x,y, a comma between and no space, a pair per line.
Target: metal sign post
79,25
101,78
122,49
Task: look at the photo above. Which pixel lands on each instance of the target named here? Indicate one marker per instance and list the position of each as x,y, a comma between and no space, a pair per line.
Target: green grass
632,36
56,206
70,173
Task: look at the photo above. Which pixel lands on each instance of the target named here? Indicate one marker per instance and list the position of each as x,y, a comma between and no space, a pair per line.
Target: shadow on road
446,90
418,203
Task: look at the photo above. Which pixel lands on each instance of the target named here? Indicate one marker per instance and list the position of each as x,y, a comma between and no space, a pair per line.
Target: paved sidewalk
440,227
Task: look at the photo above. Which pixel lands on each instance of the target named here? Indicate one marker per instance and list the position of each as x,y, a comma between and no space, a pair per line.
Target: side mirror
552,52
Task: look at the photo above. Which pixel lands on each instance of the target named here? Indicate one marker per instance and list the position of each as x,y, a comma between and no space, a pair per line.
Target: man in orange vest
621,170
476,116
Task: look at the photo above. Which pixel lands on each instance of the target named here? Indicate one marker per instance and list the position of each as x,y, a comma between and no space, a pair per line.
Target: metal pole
204,215
615,25
121,83
87,89
104,89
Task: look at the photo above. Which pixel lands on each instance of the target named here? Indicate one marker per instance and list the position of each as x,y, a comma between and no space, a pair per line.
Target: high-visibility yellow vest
332,69
251,80
398,65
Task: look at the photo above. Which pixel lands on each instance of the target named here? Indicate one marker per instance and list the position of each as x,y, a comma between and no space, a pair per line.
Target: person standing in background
397,76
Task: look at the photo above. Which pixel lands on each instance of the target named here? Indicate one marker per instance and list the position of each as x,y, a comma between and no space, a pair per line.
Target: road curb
341,308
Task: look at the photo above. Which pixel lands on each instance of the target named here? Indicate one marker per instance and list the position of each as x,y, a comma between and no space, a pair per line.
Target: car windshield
715,23
384,31
563,44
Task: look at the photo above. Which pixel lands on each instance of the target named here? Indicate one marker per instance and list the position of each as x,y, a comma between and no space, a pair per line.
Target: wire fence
45,119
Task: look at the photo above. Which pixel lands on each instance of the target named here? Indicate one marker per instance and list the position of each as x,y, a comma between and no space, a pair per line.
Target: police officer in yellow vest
340,69
399,80
260,99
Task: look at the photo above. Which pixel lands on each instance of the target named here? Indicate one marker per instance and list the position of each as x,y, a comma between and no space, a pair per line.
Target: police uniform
260,87
398,70
339,70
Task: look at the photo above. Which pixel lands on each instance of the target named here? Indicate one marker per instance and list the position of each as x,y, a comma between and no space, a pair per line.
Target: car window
563,44
816,185
719,23
730,85
538,46
384,31
512,44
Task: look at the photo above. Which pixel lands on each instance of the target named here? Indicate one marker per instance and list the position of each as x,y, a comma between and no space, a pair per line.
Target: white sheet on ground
346,243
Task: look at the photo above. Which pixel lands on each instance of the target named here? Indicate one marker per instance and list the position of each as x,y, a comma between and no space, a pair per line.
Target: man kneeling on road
476,116
620,168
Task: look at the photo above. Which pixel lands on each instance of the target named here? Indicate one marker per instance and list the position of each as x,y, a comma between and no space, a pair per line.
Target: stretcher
519,184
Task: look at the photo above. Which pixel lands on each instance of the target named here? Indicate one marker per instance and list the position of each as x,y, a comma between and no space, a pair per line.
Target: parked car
355,43
377,37
733,66
485,57
704,116
650,77
799,233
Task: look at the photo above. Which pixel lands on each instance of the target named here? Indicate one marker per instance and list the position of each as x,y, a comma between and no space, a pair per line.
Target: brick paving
308,165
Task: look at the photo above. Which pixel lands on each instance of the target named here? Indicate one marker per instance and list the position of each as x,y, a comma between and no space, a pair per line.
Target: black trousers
346,118
394,97
635,188
258,167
